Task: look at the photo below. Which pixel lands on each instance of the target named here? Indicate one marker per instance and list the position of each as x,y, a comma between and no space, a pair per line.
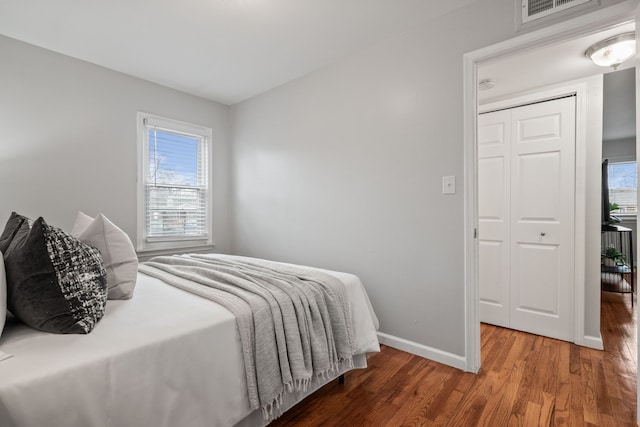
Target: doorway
619,198
588,250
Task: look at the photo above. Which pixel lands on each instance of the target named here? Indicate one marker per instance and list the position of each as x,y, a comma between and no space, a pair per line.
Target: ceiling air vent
534,9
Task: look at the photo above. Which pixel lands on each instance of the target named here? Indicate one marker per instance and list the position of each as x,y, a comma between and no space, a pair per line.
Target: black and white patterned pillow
55,283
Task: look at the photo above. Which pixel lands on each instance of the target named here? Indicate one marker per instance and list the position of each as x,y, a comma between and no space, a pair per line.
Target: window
623,183
174,186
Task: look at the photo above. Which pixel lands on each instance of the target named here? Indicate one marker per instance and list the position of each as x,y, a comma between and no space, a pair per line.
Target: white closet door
494,164
526,188
542,218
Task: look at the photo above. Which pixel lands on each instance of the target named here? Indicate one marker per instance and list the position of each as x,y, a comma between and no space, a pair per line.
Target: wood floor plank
542,373
589,402
552,364
532,414
563,388
602,396
504,352
494,350
441,400
501,403
576,413
525,380
424,396
403,381
607,421
532,361
547,408
448,409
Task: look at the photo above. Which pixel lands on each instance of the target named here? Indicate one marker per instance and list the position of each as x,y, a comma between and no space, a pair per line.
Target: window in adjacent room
174,185
623,184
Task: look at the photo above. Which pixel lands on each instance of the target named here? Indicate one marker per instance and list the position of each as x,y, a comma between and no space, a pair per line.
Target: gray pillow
3,294
55,283
119,256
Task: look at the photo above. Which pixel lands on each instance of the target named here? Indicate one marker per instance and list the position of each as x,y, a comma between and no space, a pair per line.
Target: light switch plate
448,185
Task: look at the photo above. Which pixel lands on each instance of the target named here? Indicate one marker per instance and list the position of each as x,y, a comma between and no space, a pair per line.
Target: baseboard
593,342
451,359
421,350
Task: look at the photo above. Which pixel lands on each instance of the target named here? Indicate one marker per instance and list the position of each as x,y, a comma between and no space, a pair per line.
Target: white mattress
163,358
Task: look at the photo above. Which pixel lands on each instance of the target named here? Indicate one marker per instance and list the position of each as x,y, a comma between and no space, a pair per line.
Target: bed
165,357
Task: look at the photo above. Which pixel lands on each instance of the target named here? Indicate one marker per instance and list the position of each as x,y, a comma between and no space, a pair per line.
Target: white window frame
165,244
624,159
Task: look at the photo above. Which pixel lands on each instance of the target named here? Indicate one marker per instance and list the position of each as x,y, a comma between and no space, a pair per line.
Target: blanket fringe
272,410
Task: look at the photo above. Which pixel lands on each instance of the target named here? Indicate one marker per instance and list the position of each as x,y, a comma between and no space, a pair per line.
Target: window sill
147,254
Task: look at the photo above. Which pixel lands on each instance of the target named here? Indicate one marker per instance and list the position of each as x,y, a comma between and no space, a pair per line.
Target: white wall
593,220
619,105
619,114
68,139
343,169
625,147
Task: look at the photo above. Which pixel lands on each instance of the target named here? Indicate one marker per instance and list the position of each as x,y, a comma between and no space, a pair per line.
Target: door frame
585,24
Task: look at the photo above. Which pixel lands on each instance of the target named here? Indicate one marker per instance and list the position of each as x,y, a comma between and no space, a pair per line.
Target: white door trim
584,24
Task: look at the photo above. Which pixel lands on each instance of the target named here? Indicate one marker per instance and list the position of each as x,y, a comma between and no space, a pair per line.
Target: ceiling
224,50
562,62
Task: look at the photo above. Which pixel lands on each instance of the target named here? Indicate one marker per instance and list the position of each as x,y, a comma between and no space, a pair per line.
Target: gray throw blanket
294,323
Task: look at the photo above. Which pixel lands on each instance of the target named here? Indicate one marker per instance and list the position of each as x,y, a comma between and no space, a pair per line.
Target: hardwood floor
525,380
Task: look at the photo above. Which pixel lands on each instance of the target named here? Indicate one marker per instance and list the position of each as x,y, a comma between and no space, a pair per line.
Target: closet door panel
494,166
542,218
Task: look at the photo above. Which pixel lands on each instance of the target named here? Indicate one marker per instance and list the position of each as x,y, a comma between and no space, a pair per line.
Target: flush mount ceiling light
613,51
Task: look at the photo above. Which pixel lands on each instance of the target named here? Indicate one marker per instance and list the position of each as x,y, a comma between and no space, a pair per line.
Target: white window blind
176,186
623,186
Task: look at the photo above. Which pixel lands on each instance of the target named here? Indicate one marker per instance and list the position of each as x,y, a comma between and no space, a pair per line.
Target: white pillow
118,254
3,294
